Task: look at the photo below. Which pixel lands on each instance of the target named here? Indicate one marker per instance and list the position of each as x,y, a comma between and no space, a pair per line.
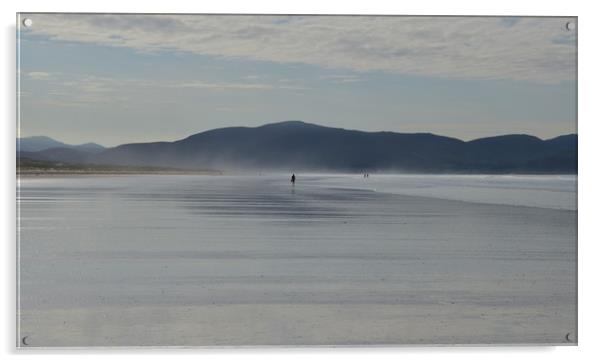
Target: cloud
342,78
526,49
229,86
254,76
85,89
40,76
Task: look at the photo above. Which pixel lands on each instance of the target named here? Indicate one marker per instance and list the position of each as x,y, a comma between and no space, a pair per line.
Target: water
239,260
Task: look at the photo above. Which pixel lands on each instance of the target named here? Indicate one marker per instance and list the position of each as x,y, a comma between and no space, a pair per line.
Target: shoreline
42,172
34,174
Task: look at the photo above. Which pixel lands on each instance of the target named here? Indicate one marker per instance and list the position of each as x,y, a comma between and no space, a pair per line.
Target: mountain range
299,146
39,143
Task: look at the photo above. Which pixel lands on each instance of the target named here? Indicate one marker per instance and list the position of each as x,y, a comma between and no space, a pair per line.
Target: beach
230,260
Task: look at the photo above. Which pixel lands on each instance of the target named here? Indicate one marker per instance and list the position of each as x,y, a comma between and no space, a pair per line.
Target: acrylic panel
268,180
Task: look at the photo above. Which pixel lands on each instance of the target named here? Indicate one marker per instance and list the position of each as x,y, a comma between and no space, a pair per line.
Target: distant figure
293,178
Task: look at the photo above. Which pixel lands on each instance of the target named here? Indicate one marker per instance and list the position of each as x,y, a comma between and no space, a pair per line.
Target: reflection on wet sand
237,260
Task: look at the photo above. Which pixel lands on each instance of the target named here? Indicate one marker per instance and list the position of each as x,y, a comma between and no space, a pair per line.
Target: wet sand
226,260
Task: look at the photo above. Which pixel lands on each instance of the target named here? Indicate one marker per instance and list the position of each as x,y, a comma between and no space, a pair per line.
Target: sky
115,79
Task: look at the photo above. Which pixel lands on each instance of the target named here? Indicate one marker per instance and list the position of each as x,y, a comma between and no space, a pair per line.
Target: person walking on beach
293,178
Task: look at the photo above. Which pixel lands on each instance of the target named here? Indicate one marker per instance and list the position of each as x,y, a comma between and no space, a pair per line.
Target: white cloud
531,49
85,89
254,76
39,76
342,78
228,86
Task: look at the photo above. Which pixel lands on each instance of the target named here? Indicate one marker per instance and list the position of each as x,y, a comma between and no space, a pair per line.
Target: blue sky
115,79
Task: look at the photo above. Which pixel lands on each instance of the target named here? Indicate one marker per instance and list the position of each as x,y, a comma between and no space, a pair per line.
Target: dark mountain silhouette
299,146
41,143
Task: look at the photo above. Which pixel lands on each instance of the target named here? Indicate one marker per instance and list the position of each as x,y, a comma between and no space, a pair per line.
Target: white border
589,172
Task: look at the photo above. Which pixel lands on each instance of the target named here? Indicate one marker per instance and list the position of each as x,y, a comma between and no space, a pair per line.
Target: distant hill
299,146
40,143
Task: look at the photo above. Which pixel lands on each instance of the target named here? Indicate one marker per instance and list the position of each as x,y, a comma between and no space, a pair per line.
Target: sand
334,260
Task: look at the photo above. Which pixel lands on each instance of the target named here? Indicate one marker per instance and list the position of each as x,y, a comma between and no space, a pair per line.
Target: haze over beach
195,180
